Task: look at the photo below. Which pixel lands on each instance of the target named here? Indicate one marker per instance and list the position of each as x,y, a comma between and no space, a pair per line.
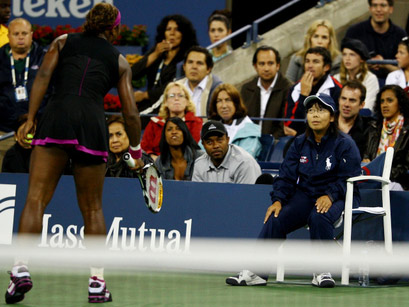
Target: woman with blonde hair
321,33
354,67
177,103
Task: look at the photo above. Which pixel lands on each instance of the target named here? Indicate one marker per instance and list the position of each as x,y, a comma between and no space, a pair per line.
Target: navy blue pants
301,211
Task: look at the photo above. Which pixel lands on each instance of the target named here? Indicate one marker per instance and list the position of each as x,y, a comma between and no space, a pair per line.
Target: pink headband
117,20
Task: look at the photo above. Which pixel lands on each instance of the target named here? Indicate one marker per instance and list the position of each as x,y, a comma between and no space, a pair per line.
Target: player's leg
89,181
46,166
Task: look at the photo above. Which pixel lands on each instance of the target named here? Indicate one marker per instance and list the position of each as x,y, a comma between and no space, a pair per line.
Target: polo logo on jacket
303,159
328,163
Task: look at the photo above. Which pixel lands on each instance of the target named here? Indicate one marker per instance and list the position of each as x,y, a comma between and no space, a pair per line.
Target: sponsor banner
145,12
190,210
7,204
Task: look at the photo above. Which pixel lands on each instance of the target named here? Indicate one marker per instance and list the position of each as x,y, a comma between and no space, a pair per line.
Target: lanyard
13,70
157,77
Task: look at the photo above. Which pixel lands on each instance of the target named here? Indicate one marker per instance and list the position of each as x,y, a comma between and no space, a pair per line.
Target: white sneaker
246,278
323,280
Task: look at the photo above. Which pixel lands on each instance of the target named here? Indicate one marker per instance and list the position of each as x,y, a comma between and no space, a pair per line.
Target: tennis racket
151,184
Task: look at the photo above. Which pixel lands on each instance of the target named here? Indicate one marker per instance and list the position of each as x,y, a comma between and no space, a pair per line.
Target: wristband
136,152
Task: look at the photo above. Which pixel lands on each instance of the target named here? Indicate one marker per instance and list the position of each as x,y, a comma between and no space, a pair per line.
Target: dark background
244,12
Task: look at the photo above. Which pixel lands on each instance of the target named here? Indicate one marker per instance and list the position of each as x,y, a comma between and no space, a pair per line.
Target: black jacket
400,164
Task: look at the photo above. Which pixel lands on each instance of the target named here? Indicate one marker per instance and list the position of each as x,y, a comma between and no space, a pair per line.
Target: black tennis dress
87,69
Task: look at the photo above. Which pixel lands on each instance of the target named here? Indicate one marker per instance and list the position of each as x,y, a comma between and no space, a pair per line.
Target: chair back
267,147
387,167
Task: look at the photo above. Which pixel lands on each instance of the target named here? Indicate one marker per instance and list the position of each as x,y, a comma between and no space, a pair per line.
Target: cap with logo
325,99
211,128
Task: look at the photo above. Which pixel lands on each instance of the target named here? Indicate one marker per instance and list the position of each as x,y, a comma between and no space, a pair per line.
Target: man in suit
266,94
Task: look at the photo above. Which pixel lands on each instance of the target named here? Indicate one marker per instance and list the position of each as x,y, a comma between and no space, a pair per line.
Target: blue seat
365,112
278,152
267,147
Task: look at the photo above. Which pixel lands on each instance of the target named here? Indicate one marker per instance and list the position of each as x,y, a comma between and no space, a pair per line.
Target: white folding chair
385,210
349,211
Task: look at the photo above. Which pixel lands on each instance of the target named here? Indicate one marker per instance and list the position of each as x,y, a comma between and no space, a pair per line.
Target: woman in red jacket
177,103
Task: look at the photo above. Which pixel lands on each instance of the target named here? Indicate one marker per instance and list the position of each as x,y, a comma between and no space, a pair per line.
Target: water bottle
363,278
363,272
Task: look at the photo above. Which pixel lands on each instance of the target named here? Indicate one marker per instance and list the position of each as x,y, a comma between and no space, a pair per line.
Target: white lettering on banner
54,8
57,237
69,239
172,245
7,205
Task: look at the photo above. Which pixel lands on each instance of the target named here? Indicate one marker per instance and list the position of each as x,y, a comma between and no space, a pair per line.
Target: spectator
5,14
199,80
351,101
316,79
401,77
118,145
177,103
266,94
391,130
321,33
174,36
223,162
20,53
219,27
380,36
310,188
227,106
178,151
17,158
354,67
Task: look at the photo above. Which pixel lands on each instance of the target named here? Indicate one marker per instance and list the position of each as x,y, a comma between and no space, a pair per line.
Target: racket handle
128,159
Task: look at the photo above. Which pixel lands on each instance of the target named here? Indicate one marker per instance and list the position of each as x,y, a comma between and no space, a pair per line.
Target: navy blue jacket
10,110
318,169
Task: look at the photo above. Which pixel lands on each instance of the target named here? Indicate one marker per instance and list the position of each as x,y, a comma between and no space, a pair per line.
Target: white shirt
196,94
265,95
397,77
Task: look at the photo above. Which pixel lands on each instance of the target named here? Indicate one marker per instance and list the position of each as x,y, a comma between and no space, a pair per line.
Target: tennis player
85,66
311,186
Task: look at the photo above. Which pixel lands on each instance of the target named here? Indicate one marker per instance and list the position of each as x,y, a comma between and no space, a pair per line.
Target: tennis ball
29,136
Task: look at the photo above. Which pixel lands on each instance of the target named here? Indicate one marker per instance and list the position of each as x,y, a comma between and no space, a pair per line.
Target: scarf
390,133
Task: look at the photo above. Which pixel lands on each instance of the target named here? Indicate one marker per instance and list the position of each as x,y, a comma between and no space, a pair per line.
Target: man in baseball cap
212,128
223,162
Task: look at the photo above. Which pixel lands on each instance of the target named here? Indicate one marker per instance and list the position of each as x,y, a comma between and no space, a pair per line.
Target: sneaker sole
325,284
234,282
99,299
23,287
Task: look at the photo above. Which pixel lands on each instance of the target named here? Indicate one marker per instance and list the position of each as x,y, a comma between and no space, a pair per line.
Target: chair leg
387,223
347,233
280,265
